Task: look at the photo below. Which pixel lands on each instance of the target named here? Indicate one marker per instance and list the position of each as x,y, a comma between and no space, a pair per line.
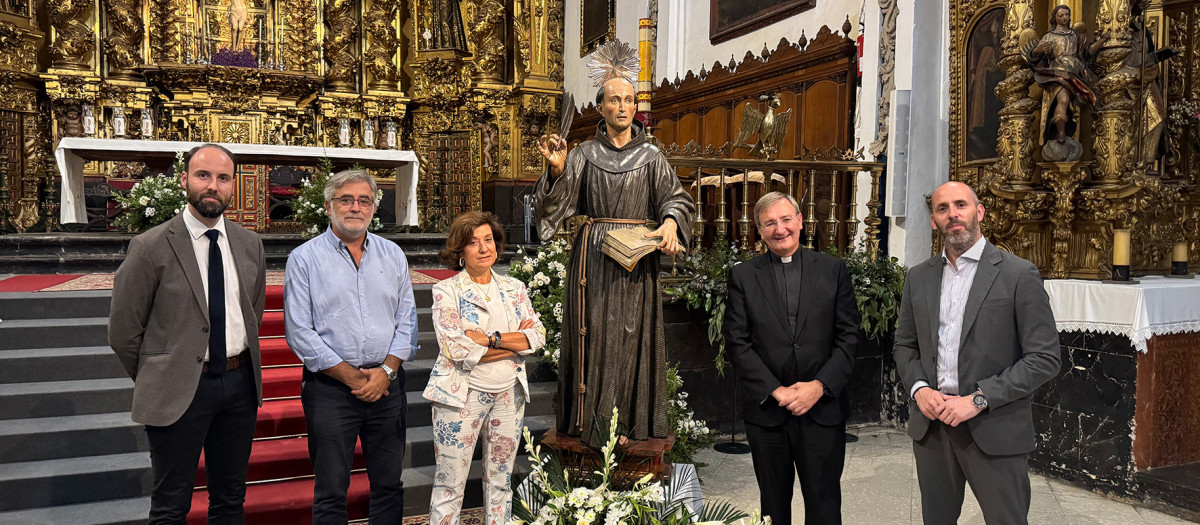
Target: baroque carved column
1113,131
486,33
382,45
341,37
165,42
299,52
73,46
1017,135
123,34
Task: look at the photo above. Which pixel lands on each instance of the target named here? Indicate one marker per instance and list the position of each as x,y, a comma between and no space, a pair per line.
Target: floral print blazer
458,307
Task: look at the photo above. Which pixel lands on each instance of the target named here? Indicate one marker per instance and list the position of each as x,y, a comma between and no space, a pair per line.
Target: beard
353,229
960,241
207,209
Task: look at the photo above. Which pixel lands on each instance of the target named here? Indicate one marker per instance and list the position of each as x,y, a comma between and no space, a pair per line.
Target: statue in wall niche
445,26
1142,63
488,132
1059,60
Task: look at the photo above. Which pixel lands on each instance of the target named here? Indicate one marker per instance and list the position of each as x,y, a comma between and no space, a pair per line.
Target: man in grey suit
975,338
186,306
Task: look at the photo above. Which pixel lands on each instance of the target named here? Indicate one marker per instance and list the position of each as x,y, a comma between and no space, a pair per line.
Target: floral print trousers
497,419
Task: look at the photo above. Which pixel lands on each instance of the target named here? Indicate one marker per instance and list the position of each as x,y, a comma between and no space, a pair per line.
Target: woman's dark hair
460,236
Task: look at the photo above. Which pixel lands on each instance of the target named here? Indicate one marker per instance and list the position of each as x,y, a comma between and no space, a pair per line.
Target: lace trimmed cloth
1154,306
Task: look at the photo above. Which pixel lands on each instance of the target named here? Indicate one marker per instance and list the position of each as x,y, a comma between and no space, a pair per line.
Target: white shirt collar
974,253
196,228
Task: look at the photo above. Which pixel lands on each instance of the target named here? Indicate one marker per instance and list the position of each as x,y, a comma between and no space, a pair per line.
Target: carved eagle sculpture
770,127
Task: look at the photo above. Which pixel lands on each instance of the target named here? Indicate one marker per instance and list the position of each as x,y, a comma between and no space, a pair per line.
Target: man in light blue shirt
352,320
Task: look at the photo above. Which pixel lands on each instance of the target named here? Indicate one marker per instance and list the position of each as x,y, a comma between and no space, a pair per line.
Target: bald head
956,214
955,188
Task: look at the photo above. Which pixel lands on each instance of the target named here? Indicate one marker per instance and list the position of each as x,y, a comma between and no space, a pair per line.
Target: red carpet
280,475
33,283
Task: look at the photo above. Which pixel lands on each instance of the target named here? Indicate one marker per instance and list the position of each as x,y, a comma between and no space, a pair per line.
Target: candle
1179,252
1120,248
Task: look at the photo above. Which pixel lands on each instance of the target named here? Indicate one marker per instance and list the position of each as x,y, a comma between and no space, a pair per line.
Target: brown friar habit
621,330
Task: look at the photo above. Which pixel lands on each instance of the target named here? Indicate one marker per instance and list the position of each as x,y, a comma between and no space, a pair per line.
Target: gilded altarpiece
1061,215
477,80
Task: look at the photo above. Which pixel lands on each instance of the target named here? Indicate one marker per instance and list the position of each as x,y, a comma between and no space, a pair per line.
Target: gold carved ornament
379,59
486,37
165,41
73,42
341,36
300,51
123,36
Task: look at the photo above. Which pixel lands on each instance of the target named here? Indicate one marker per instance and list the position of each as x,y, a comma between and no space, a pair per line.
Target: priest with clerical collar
791,327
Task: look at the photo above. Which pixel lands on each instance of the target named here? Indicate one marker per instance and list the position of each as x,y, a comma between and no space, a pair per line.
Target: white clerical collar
785,260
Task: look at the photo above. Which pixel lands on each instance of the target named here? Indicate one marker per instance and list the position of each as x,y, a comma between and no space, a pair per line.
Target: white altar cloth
1154,306
73,151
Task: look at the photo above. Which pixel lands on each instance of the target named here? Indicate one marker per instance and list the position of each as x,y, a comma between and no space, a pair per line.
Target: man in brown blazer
186,307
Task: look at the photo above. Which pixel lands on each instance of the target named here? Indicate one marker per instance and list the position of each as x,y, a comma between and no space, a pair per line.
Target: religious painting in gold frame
982,106
965,20
597,23
732,18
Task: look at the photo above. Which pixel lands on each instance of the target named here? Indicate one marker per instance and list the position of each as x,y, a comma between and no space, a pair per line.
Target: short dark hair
187,157
460,235
600,91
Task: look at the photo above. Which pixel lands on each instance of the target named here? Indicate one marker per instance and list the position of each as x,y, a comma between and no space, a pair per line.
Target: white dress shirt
235,325
956,287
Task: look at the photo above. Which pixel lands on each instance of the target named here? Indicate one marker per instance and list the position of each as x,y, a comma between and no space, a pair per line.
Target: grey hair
342,178
766,201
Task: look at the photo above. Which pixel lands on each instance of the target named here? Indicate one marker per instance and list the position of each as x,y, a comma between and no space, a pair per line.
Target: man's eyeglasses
786,221
347,201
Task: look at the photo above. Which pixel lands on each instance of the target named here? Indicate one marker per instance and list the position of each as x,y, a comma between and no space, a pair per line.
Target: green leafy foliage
691,435
708,288
878,285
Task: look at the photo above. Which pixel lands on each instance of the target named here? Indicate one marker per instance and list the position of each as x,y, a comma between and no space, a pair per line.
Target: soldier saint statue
613,351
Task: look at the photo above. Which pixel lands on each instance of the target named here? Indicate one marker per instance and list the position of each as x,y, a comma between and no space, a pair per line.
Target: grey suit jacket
158,325
1009,346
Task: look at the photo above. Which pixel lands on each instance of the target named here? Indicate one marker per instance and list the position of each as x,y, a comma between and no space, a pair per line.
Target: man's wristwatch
979,400
389,371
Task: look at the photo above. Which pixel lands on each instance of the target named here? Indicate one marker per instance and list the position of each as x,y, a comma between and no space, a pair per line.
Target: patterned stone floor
879,486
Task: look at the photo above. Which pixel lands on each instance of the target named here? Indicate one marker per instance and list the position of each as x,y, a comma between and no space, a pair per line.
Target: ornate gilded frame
964,16
587,45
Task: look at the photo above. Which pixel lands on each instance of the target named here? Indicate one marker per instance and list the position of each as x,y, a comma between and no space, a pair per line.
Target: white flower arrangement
544,272
552,498
153,200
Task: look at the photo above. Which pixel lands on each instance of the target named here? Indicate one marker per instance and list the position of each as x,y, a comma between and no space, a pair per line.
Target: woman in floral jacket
485,326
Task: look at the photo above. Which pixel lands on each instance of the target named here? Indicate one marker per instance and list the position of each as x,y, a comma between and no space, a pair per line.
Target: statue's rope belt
582,315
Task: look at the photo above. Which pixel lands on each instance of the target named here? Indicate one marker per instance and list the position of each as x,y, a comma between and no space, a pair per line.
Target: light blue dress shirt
337,312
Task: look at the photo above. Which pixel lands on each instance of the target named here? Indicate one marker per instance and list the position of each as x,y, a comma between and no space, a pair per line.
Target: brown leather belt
231,363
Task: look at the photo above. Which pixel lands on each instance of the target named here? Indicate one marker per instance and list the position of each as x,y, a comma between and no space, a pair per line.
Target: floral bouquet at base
691,434
544,273
551,497
152,201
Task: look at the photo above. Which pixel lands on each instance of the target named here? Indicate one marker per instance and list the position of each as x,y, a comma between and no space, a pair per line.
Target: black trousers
335,420
800,446
948,457
220,421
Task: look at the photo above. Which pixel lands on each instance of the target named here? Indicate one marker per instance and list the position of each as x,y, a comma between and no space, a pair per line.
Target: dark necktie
216,305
